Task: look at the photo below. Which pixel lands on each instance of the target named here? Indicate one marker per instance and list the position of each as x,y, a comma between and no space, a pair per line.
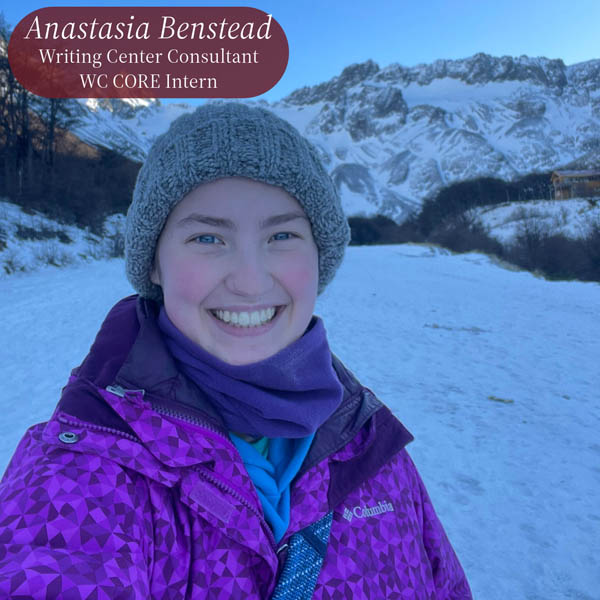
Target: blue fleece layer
273,475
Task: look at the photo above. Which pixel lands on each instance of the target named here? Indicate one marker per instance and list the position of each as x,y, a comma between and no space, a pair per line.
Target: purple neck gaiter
288,395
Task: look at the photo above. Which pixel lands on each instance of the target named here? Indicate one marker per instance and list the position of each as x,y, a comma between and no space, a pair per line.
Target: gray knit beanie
230,140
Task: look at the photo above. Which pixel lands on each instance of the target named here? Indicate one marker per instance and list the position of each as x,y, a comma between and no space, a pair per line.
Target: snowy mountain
393,136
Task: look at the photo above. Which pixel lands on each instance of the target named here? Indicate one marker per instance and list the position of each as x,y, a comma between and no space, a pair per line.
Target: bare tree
29,130
55,114
15,133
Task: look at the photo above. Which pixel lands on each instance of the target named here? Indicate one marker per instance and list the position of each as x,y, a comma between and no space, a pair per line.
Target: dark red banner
148,52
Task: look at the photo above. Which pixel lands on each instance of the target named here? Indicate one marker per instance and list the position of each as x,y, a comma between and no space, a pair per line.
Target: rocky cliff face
393,136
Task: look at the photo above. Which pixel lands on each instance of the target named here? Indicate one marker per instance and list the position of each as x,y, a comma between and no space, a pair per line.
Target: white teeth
245,319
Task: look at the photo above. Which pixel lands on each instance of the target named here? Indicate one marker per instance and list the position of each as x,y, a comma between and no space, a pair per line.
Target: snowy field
495,372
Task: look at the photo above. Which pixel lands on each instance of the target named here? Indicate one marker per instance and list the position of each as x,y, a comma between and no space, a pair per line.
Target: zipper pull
121,392
117,390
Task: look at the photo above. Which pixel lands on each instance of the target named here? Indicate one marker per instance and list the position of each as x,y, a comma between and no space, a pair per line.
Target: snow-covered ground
495,372
31,240
570,217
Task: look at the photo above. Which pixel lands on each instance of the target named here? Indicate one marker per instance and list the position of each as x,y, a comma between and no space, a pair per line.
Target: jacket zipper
203,472
87,425
163,410
217,482
159,408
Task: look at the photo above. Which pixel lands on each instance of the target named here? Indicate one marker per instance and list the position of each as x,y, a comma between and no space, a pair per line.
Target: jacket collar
129,352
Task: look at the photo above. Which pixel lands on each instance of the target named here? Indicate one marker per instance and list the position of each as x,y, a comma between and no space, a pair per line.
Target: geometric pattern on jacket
150,499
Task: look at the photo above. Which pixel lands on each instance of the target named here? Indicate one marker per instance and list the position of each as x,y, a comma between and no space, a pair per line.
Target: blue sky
327,35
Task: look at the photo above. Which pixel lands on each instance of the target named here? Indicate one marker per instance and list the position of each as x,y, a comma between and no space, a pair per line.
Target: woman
210,445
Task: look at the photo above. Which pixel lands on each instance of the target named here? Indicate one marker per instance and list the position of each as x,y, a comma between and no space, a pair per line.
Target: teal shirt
272,465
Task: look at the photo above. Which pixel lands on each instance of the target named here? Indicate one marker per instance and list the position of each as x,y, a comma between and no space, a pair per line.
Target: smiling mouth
255,318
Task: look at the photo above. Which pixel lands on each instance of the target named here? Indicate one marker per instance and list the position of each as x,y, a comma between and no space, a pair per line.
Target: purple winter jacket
132,490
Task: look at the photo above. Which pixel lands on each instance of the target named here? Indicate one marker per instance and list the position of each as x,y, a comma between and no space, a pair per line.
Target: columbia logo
362,512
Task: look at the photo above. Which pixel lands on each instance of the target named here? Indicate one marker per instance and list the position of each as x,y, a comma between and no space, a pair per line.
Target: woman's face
238,267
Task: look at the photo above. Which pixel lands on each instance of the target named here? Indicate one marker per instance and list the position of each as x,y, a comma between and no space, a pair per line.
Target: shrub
114,235
409,231
527,247
555,255
29,233
465,233
456,198
12,262
562,258
591,248
41,233
54,255
63,238
116,245
534,247
376,230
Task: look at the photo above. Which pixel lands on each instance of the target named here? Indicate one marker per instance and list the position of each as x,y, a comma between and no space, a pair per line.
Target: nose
249,275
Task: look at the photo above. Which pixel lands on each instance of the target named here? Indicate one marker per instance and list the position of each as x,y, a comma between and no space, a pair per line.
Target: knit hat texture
230,140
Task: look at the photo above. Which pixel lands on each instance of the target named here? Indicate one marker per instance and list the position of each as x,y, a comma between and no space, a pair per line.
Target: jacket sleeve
449,577
72,526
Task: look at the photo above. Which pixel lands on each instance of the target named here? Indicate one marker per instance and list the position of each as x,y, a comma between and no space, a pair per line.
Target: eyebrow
220,223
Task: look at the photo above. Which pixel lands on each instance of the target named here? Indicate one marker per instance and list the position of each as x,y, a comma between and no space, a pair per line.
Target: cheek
185,279
302,277
306,279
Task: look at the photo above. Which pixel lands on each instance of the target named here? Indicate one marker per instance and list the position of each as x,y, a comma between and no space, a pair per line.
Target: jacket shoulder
68,519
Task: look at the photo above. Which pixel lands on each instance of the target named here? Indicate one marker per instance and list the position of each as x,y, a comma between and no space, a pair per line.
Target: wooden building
576,184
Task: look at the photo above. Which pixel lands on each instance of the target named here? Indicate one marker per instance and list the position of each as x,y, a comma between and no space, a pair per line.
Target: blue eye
206,239
283,235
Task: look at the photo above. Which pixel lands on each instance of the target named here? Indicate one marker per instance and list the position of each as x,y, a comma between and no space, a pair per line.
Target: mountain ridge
394,136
